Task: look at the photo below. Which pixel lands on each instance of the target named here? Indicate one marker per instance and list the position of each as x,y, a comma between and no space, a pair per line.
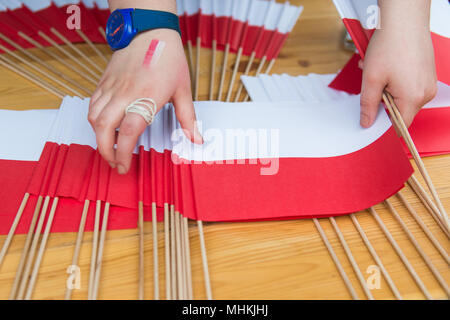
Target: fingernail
365,120
121,169
112,165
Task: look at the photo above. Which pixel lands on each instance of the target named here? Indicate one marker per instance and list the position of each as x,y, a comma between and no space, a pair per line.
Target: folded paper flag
430,129
274,161
361,17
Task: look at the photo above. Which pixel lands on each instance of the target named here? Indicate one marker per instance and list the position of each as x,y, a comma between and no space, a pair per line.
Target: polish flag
223,16
274,161
430,129
361,17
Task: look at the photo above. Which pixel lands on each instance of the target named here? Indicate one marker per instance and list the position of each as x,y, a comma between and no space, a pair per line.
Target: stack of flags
251,167
257,29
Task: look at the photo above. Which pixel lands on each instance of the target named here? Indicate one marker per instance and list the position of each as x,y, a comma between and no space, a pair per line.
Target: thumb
371,94
184,110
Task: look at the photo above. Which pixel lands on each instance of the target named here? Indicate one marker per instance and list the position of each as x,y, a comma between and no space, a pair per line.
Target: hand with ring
129,77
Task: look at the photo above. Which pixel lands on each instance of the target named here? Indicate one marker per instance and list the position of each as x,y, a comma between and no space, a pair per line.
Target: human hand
400,60
130,76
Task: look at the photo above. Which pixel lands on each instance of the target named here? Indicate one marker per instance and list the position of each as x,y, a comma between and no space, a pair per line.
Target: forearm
405,15
162,5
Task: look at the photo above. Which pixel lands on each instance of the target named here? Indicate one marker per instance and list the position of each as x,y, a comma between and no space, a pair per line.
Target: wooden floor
258,260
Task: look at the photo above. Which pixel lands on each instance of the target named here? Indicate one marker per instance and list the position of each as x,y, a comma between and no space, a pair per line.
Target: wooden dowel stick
102,32
31,77
25,249
91,45
400,254
173,253
191,61
258,71
197,67
13,227
74,48
208,290
428,203
32,252
101,245
418,160
76,252
41,62
98,207
179,265
336,261
224,71
246,72
141,251
213,69
190,290
233,75
39,70
68,54
419,249
44,240
59,59
155,253
376,257
167,262
183,259
270,66
425,229
350,257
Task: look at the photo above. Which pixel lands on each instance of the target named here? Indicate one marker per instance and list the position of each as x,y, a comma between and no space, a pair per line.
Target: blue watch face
115,28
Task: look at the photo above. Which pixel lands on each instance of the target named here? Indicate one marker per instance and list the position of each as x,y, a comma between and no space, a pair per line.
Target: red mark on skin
150,52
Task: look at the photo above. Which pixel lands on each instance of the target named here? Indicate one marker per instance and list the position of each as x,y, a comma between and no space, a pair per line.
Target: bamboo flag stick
180,289
336,261
25,249
183,260
258,71
76,252
41,62
102,32
13,227
91,45
350,257
393,110
32,252
59,59
46,74
246,72
204,260
270,66
197,67
401,254
98,206
191,60
155,253
74,48
426,201
419,249
68,54
425,229
376,257
167,263
173,269
101,245
223,72
44,240
5,62
213,69
190,291
141,289
233,76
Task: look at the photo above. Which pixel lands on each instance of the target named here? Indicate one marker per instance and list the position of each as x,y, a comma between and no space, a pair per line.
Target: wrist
166,5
